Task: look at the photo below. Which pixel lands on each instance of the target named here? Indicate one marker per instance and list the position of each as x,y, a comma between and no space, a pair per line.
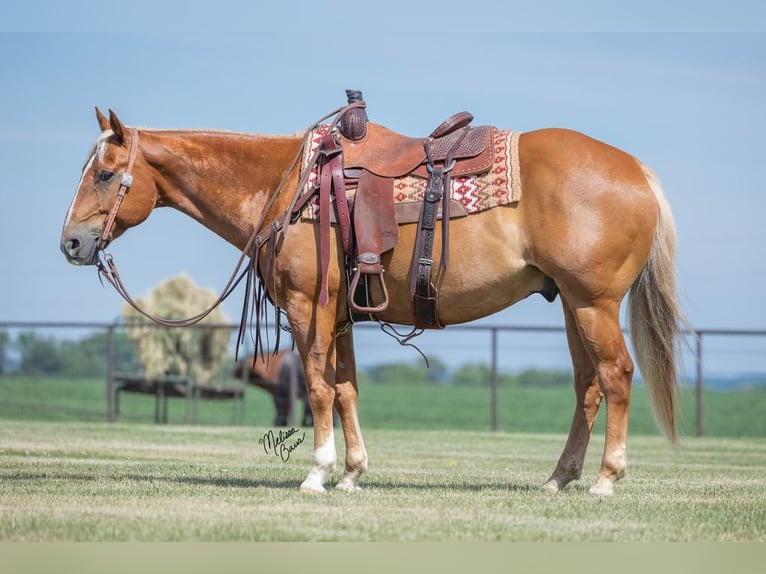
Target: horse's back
565,149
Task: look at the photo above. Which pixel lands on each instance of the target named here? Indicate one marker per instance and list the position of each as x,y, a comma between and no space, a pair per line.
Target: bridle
274,232
107,268
126,181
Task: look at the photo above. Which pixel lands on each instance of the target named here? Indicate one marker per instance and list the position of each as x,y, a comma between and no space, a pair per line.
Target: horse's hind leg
346,395
588,394
599,327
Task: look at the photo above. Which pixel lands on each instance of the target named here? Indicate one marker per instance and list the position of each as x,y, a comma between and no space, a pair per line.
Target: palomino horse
592,218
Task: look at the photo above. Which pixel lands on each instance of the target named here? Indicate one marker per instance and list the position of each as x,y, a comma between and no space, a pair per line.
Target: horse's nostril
80,246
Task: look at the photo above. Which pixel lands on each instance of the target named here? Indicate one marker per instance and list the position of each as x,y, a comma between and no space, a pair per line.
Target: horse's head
114,168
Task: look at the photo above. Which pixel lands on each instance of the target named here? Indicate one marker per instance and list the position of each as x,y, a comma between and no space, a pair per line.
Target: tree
437,370
39,356
473,374
397,373
84,358
544,378
477,374
173,351
88,357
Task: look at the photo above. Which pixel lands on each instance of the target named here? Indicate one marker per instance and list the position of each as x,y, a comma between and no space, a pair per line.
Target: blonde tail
656,318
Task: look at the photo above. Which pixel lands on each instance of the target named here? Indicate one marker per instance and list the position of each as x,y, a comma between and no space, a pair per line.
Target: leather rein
107,268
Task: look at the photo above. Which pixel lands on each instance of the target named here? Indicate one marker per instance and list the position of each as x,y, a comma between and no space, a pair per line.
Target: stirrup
356,308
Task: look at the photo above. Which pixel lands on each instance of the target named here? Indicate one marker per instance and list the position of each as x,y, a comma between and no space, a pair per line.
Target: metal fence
502,347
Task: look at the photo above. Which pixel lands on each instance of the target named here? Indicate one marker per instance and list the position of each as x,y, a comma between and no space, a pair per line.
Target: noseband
125,182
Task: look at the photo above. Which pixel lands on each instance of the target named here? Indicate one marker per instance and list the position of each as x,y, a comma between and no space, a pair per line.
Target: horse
278,375
592,218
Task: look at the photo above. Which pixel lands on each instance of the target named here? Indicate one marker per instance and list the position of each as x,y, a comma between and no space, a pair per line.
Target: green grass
739,413
400,406
119,482
68,399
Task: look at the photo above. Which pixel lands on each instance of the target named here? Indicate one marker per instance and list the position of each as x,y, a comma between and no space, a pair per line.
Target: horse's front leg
313,330
346,395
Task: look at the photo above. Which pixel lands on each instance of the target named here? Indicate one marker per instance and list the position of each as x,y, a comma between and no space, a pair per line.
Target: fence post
494,379
111,414
699,384
191,411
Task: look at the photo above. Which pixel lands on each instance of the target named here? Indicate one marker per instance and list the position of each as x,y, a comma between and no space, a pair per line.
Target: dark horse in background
281,376
592,218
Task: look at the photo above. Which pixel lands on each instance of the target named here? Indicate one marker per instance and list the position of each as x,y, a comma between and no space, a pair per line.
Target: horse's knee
345,395
625,365
321,398
616,378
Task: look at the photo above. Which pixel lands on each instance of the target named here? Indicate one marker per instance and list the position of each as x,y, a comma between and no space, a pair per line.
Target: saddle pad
501,185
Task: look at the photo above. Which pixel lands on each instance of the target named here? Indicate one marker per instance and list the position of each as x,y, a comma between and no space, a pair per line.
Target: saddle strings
404,338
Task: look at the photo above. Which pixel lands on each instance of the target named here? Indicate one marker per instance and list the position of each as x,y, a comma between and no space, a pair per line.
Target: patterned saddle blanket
499,185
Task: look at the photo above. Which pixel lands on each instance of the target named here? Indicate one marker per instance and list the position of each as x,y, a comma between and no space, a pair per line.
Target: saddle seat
389,154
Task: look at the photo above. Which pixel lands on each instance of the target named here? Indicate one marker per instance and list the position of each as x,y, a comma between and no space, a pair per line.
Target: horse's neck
223,180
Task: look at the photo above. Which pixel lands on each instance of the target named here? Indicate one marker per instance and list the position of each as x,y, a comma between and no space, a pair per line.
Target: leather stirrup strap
421,273
334,152
424,293
331,180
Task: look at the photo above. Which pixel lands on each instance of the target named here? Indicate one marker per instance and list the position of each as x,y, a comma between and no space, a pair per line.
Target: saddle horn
353,124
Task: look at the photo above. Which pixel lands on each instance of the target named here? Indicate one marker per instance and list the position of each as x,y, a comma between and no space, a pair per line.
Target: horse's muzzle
80,246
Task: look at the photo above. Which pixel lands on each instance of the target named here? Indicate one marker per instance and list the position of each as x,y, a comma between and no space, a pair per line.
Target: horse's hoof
551,486
348,487
304,490
310,486
603,487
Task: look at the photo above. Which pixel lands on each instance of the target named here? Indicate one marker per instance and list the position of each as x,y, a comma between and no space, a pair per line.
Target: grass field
101,482
398,406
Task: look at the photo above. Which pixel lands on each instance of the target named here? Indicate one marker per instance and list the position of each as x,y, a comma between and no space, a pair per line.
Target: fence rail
697,348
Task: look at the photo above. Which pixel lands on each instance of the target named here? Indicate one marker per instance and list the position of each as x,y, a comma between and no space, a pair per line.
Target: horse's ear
103,121
118,128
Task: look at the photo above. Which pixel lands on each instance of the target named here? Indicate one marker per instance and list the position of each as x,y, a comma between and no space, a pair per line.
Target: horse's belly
486,272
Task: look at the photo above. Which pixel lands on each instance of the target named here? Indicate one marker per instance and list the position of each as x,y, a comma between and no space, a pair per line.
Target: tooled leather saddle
369,157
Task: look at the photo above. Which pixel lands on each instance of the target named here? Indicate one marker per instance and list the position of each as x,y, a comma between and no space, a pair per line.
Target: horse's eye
104,176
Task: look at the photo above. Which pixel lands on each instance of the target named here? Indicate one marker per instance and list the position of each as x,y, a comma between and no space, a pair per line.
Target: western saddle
369,157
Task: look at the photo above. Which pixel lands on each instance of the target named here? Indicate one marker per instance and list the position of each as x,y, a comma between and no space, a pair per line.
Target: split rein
261,235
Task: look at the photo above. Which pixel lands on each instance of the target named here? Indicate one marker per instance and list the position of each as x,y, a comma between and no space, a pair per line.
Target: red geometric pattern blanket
501,185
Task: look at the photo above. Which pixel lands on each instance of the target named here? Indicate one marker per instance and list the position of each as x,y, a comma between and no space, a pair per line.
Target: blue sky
690,105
